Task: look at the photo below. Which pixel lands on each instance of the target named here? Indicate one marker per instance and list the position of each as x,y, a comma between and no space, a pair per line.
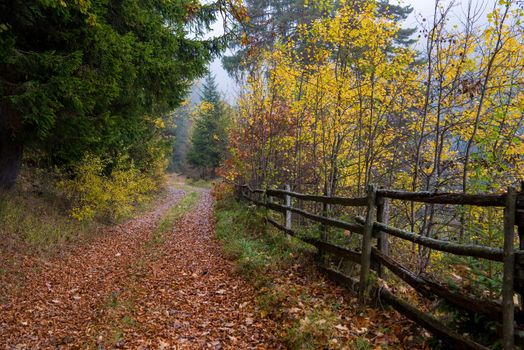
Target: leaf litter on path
120,292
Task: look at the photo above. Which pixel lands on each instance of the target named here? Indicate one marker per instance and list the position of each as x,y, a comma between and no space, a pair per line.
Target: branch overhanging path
123,291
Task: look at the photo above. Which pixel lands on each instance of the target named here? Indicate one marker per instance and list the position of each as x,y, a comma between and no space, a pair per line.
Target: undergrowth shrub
48,208
198,183
221,191
271,301
484,329
111,193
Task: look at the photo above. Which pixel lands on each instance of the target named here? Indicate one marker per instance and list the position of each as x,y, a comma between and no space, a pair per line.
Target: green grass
176,212
246,239
260,252
198,183
362,344
314,331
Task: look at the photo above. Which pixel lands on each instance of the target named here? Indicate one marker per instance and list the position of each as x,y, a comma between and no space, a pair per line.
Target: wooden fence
374,253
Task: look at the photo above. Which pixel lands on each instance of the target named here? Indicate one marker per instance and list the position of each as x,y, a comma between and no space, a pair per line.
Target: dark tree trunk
11,147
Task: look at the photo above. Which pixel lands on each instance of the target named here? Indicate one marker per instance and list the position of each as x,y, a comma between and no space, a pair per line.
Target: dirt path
130,289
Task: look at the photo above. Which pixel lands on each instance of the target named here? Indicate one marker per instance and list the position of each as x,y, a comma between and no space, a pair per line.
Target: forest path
134,289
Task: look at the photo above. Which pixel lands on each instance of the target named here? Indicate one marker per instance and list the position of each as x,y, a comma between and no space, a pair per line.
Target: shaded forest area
87,92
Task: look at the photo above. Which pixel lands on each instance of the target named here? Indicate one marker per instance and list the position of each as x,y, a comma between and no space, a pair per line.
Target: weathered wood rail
374,256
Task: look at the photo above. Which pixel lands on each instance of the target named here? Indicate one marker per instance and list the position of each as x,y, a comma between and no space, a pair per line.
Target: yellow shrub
112,196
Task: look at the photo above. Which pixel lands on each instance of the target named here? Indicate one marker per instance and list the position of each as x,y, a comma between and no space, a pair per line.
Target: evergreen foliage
182,132
93,77
209,137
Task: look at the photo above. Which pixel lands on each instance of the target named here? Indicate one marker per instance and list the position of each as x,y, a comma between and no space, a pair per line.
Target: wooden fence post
265,198
508,307
365,261
519,221
324,228
382,242
288,212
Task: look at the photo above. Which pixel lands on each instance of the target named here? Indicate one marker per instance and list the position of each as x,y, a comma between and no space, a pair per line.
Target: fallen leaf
342,328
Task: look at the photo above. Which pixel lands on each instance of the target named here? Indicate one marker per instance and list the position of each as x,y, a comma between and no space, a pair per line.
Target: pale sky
423,8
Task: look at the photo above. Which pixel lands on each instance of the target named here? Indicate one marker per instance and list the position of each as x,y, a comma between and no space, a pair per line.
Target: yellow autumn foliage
110,196
342,104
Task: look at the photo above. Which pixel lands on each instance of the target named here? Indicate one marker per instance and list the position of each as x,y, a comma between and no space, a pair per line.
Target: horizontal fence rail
374,226
353,202
480,200
472,250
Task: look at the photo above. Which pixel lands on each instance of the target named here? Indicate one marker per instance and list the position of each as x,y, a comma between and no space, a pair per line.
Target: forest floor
136,286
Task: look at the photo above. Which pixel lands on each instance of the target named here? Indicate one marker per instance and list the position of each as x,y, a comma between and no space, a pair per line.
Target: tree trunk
11,147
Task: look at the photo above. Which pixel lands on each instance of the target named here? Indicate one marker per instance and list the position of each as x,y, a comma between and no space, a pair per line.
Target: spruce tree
209,137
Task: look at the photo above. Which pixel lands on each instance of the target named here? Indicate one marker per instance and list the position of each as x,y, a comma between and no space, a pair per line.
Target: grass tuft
198,183
316,330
